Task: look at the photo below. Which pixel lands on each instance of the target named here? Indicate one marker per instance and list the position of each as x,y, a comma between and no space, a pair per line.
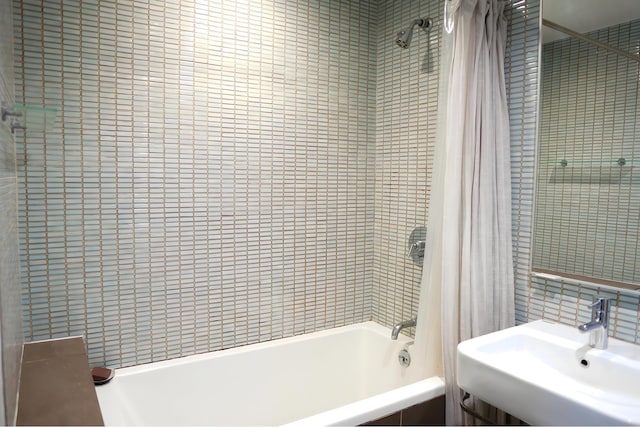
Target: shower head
404,37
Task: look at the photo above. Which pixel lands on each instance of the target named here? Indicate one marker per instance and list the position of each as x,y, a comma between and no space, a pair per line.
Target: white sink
546,374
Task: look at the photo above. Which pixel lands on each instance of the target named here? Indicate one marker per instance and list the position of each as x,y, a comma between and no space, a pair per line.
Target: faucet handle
599,303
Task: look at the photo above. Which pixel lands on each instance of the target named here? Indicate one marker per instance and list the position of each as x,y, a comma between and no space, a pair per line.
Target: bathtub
342,376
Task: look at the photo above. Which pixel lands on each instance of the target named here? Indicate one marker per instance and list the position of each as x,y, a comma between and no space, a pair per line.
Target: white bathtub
342,376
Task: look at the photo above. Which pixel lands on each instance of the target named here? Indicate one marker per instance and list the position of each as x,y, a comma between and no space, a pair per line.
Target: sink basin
546,374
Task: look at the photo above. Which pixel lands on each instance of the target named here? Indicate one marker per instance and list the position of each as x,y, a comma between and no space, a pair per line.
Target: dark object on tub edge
102,375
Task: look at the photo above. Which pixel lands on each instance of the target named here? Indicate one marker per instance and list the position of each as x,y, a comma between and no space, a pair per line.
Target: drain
404,358
585,363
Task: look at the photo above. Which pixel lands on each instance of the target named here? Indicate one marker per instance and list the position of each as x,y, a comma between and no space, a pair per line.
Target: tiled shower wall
209,179
538,298
521,79
10,309
406,118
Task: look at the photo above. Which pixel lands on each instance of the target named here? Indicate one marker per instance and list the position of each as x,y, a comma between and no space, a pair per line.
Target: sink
546,374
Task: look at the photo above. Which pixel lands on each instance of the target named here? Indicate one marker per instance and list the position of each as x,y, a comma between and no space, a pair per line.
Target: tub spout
401,325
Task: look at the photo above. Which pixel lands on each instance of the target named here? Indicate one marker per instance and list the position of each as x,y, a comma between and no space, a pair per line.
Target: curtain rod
588,39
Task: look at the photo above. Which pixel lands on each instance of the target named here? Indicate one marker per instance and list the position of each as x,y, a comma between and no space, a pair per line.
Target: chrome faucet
401,325
598,327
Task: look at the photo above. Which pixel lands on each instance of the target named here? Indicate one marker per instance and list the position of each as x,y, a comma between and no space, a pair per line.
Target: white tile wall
209,180
406,114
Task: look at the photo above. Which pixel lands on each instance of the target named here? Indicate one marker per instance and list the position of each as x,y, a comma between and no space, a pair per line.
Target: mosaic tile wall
521,74
587,208
406,114
10,310
209,179
538,298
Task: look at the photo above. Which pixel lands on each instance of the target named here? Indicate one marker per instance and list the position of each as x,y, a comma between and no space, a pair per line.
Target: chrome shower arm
404,37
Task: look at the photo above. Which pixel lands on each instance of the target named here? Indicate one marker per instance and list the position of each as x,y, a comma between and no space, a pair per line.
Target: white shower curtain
470,260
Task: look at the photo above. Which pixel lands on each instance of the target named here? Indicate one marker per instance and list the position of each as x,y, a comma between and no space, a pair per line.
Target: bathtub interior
270,383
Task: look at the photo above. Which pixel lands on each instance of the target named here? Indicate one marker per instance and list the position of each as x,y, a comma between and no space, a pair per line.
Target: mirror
587,203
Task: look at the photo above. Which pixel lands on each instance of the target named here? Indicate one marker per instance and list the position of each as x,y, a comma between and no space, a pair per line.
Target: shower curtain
469,262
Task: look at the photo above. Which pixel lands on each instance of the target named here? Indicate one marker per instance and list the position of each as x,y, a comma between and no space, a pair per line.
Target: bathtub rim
378,406
178,361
